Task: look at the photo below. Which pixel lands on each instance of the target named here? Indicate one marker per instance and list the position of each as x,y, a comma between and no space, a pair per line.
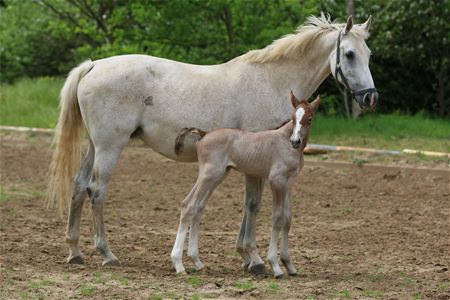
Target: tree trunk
444,105
229,25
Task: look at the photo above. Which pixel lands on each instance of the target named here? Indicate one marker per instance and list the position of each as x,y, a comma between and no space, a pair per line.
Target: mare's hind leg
80,185
105,161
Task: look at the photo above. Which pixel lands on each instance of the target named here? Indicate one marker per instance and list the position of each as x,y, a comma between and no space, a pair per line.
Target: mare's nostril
366,100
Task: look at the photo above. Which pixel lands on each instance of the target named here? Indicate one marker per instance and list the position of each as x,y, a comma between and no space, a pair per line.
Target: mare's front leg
280,215
246,241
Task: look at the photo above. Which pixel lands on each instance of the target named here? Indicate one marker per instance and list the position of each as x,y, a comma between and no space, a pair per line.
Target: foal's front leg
284,251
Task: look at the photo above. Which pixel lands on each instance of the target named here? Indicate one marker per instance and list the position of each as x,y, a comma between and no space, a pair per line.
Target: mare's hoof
75,260
293,274
110,263
258,270
280,276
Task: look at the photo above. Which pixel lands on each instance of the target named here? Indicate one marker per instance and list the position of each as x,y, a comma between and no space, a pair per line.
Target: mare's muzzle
366,98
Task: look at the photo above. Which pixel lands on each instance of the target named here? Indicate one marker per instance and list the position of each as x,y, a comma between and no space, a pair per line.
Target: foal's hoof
258,270
279,276
182,273
75,260
110,263
293,274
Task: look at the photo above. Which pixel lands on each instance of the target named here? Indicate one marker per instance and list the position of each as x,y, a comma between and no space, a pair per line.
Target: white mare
153,98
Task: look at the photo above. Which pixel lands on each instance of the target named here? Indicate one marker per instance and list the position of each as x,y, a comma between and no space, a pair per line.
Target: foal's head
302,120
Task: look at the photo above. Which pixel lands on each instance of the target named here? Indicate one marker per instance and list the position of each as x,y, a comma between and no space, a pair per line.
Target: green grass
372,293
245,285
194,281
34,103
390,132
272,288
87,290
30,102
16,192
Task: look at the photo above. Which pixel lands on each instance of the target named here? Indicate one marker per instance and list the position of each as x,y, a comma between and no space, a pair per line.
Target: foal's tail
179,141
67,153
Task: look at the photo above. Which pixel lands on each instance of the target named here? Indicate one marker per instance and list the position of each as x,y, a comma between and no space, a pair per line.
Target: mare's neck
303,75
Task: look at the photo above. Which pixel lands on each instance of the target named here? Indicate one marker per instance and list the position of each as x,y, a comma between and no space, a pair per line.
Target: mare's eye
310,120
349,54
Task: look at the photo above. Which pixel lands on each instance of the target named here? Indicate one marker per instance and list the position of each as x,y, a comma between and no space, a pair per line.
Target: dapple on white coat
153,98
276,155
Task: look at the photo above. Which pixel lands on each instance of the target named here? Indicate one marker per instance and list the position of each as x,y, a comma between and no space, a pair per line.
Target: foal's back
253,153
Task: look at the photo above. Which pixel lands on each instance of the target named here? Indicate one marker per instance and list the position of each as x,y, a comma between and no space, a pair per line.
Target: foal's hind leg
190,209
106,157
211,183
80,185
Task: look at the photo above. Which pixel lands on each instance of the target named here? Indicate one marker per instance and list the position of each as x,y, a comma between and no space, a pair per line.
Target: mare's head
349,63
302,120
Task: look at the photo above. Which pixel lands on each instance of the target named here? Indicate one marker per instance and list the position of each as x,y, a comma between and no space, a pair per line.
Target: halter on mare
338,72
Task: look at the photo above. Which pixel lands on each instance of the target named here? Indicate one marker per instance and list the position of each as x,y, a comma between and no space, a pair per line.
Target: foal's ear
315,103
366,25
349,25
295,102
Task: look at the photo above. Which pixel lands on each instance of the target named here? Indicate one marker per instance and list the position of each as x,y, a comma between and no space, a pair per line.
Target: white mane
293,45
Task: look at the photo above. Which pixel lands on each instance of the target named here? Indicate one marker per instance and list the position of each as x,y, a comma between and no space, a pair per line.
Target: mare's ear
294,100
366,25
349,25
315,103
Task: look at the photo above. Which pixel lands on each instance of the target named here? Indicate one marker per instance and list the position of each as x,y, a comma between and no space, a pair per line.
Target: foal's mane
295,44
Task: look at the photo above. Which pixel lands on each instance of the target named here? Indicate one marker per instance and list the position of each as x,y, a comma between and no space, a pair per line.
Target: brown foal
275,155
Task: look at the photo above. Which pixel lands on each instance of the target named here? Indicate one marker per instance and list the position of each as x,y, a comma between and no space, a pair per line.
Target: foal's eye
349,54
309,120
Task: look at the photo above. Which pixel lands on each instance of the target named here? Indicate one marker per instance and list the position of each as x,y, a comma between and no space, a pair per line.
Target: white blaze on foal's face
302,119
296,138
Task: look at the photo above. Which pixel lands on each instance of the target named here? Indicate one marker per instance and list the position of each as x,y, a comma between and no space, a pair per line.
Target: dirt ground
359,232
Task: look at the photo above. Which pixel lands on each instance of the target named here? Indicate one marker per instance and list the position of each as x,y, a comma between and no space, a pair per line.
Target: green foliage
410,39
412,54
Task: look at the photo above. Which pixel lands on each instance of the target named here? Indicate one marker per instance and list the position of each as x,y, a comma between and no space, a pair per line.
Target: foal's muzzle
367,100
296,143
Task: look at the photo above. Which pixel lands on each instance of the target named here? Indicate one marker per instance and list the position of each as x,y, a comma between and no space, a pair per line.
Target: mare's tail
67,153
179,141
